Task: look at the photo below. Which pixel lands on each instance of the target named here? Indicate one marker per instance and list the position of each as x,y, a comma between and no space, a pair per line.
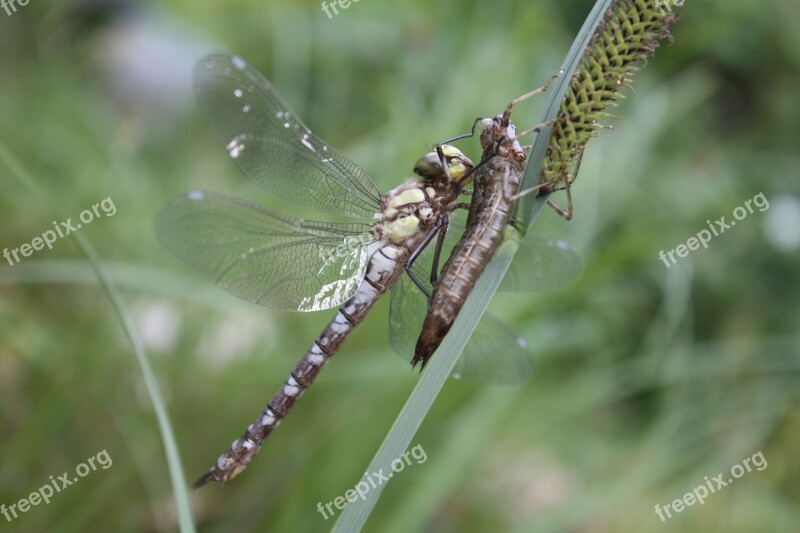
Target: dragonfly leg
442,158
567,181
485,159
510,196
415,254
445,224
443,161
462,136
457,190
537,128
417,282
469,172
475,122
515,101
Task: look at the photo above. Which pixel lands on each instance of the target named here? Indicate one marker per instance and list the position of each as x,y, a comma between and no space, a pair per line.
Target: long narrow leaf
179,485
432,380
526,208
398,439
615,42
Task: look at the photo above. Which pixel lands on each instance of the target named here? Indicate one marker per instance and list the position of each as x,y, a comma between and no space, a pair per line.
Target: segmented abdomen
487,220
383,271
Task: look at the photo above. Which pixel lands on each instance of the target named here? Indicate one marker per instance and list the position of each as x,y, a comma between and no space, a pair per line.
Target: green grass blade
528,206
179,485
177,477
461,451
398,439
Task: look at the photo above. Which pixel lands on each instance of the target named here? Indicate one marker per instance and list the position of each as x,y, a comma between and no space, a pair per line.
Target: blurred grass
432,380
177,478
648,378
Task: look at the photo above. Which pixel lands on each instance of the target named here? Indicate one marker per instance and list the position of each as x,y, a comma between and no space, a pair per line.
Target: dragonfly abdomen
289,263
489,215
384,269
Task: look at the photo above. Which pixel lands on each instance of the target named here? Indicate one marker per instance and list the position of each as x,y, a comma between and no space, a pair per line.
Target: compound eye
429,166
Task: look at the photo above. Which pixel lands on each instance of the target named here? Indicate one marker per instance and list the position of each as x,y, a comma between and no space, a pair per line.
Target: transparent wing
272,145
541,263
264,256
494,353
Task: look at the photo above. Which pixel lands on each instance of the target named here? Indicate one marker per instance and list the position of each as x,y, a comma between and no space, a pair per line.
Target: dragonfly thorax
405,210
418,204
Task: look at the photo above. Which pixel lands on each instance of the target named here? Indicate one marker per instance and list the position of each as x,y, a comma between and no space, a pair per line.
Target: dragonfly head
498,135
491,131
429,167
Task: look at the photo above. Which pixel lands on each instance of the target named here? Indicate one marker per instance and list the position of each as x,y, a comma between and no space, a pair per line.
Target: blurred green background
648,378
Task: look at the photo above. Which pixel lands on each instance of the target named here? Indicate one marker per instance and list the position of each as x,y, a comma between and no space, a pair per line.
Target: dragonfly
496,182
294,264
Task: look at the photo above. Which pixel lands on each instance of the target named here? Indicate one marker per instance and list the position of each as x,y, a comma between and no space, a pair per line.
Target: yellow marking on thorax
409,196
399,230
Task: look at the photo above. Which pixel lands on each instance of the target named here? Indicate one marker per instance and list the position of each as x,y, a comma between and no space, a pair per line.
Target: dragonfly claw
205,478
